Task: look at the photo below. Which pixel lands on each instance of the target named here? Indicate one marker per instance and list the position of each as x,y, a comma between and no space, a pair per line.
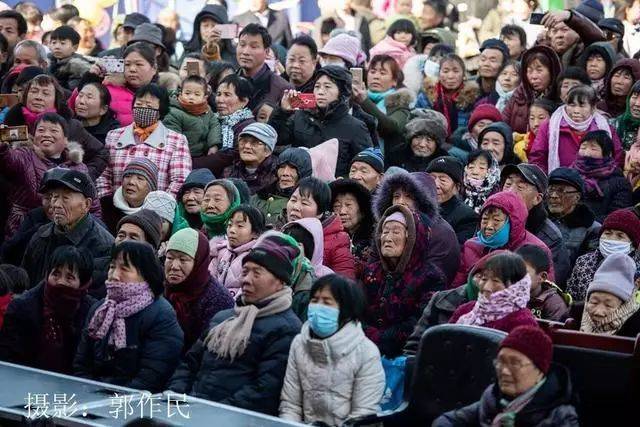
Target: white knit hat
162,203
615,276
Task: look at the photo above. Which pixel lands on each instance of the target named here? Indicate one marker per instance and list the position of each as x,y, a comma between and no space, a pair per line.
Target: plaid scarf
592,170
476,196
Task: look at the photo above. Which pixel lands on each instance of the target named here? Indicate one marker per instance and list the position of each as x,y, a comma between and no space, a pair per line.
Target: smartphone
14,133
357,75
304,101
193,68
228,31
536,18
112,65
8,100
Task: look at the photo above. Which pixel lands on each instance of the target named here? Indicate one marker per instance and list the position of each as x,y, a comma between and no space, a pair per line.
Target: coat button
161,145
268,215
380,322
270,199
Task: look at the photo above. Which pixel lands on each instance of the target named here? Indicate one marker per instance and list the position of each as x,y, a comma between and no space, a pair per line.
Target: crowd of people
259,219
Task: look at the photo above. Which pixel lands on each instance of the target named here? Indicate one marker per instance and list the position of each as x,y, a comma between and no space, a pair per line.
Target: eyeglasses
513,367
561,192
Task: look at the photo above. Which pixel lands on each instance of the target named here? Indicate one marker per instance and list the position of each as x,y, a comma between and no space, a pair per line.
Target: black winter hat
567,176
575,73
498,45
531,173
591,9
602,138
243,189
340,76
149,221
613,25
197,178
448,165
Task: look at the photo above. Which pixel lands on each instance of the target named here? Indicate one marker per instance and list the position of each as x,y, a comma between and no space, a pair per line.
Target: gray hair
41,51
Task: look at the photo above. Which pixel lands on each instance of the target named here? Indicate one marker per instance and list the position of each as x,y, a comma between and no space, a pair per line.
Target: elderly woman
147,137
42,327
93,111
194,293
43,94
399,282
530,390
611,307
189,199
628,123
617,88
329,119
220,198
132,337
25,166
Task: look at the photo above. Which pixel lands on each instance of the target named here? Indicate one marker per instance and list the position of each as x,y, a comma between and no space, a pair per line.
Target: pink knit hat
398,217
346,47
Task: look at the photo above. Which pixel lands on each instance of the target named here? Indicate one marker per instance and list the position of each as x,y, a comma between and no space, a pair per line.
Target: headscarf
476,196
627,124
216,224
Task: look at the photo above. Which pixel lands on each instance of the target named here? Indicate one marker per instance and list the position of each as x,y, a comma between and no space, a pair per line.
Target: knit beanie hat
262,132
496,44
185,241
346,47
484,112
428,122
371,156
396,216
575,73
623,220
197,178
149,221
448,165
340,76
615,276
533,343
276,254
591,9
145,168
161,203
602,138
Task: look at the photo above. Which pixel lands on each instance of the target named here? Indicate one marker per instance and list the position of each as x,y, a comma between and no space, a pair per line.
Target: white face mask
431,68
608,247
338,63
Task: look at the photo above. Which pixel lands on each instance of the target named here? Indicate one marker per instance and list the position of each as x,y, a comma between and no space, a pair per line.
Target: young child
403,10
597,60
547,300
540,110
67,65
481,178
399,43
245,225
191,115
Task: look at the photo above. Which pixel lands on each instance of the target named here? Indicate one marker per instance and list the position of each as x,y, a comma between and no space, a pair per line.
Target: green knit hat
185,241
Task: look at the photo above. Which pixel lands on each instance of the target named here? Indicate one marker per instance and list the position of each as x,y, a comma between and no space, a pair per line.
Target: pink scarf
123,300
499,304
31,118
559,118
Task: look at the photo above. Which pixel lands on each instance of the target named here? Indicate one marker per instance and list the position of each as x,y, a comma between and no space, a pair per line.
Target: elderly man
256,164
71,194
302,61
242,359
13,27
367,167
530,183
30,53
493,54
580,230
142,226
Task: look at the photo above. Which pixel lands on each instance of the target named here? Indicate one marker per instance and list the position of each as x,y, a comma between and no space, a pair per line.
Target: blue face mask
323,320
498,239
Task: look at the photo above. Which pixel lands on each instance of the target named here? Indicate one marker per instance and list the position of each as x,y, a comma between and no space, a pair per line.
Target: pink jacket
567,147
226,264
121,102
473,250
396,50
337,248
314,227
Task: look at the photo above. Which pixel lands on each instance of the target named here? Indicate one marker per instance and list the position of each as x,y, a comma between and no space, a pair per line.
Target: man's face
490,63
130,231
527,192
69,207
365,175
563,199
562,38
445,187
9,29
300,64
513,43
62,48
258,283
251,53
26,55
191,200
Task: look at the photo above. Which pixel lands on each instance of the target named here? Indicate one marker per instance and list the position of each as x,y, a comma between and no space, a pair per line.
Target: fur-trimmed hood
401,98
469,92
383,198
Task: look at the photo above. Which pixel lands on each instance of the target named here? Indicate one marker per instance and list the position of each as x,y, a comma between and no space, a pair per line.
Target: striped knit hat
145,168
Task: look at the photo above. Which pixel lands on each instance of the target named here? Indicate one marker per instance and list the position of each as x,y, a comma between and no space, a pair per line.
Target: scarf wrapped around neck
499,305
31,118
195,109
560,118
476,196
144,133
123,300
446,104
613,322
216,225
379,97
628,125
121,204
230,338
228,122
503,96
507,417
593,170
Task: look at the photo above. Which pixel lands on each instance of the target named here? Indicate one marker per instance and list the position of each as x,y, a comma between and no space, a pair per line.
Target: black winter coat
154,345
544,229
253,380
616,195
580,231
304,129
22,328
14,248
107,124
461,217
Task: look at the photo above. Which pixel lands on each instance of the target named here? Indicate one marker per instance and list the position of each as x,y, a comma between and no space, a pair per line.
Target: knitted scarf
195,109
503,96
216,225
476,196
230,338
228,122
378,98
31,118
301,264
499,305
592,170
180,219
613,322
628,125
507,418
446,104
123,300
561,118
121,204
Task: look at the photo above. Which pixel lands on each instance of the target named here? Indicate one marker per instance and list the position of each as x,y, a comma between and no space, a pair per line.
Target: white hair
41,51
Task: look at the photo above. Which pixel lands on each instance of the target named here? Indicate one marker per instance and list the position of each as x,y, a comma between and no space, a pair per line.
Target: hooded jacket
516,113
314,227
511,204
397,294
218,14
605,50
337,247
202,132
616,105
226,264
503,129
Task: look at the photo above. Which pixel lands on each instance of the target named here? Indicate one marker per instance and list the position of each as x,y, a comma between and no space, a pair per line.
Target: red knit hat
484,112
533,343
624,220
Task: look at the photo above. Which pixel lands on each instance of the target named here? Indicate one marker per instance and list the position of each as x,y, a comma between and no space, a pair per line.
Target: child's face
62,48
193,93
477,169
579,111
239,230
536,116
509,78
596,67
403,37
403,7
264,113
536,278
590,149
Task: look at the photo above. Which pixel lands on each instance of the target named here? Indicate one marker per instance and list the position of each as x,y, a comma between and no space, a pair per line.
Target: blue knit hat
371,156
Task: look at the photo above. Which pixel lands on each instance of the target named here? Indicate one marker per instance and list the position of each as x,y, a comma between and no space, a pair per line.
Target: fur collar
383,197
468,94
74,153
402,98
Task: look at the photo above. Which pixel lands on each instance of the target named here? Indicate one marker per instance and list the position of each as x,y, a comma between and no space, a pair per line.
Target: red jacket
337,247
473,250
522,317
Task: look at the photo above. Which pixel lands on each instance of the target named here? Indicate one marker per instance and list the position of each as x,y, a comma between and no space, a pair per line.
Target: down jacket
333,379
465,100
337,247
226,264
514,207
314,227
202,132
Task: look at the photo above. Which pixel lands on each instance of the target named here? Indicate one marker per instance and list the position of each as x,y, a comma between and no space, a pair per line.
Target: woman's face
135,189
611,234
119,271
493,142
479,127
491,221
63,275
264,113
490,283
423,145
325,91
147,101
515,372
326,59
537,115
300,206
137,70
227,102
477,169
403,37
539,76
404,198
509,78
88,103
325,297
192,199
380,78
393,239
177,267
215,201
602,304
634,105
590,149
451,75
596,67
347,208
287,176
579,111
621,82
239,230
41,98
